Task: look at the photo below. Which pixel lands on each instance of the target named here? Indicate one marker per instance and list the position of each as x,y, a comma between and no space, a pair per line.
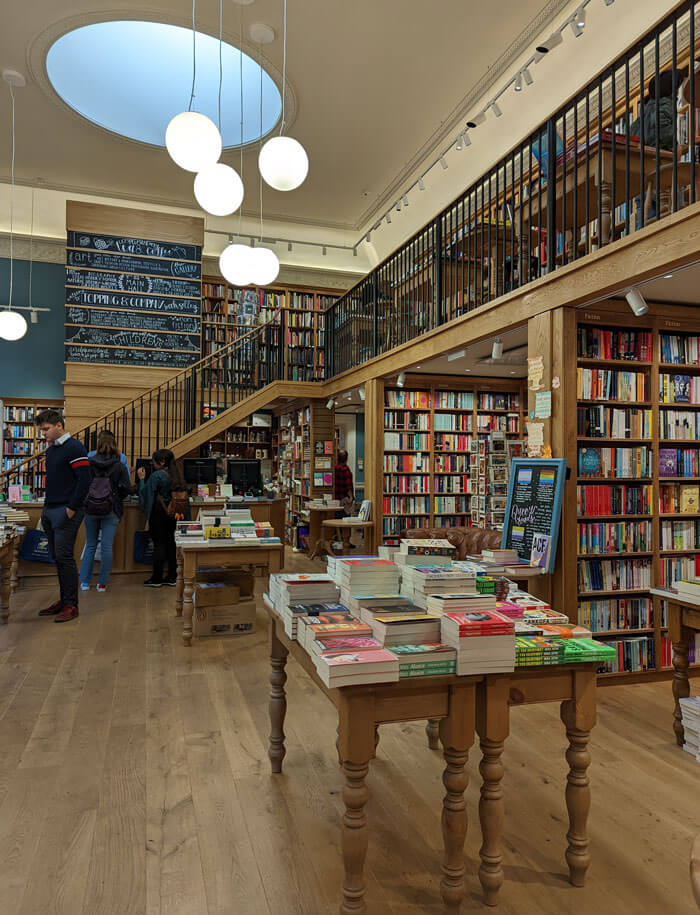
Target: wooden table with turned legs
8,575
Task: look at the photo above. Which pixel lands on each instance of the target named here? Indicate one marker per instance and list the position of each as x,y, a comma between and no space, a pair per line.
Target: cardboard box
216,594
242,579
238,619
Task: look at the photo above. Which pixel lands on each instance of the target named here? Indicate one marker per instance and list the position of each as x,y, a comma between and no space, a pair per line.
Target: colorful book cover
590,462
668,462
681,388
689,499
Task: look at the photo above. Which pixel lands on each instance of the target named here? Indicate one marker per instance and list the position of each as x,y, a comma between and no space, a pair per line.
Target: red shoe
52,610
67,614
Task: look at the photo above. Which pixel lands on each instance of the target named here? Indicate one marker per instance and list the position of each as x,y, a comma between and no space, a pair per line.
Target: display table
683,623
217,552
343,526
462,705
316,517
8,575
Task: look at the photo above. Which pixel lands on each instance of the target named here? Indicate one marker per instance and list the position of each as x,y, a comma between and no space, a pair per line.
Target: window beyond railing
620,155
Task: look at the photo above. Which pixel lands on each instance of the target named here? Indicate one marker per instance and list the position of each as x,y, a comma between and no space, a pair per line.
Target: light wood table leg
278,699
457,736
681,686
579,715
492,725
188,567
356,736
14,580
5,590
179,587
432,730
605,213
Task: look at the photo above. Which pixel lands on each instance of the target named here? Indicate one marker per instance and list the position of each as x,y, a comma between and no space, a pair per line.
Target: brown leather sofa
469,540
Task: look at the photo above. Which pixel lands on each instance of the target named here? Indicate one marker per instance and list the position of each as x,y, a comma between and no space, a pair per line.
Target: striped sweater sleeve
82,475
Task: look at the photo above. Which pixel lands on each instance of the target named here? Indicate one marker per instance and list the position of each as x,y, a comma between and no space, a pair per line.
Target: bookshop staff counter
272,510
463,705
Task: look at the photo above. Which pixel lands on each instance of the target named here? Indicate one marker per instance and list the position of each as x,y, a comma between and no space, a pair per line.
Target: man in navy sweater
67,483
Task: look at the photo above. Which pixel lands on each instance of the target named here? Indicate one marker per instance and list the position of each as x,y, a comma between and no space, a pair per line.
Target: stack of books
564,631
690,715
291,615
333,565
500,557
425,552
460,601
511,610
363,577
338,643
401,624
291,589
688,587
485,641
356,602
537,650
349,668
578,650
431,660
329,625
418,582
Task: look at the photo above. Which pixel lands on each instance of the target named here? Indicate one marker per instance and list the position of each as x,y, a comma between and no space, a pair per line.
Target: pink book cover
349,643
348,659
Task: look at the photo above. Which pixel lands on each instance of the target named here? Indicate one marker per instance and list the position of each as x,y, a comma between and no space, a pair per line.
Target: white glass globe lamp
218,189
236,264
265,266
283,163
12,325
193,141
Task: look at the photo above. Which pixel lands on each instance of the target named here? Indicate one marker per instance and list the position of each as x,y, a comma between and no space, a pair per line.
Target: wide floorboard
134,779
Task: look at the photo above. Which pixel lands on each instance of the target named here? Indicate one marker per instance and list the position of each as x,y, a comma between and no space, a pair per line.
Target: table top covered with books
398,641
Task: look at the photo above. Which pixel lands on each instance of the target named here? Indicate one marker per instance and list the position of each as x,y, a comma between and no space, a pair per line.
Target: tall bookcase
21,438
431,435
637,465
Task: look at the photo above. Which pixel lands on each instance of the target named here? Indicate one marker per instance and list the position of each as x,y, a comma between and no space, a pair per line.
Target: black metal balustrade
620,154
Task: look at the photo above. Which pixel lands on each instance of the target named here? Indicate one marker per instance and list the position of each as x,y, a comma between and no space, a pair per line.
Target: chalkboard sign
535,490
161,359
100,260
133,301
134,320
127,245
129,282
143,338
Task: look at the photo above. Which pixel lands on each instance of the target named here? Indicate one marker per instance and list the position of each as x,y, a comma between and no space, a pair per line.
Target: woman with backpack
164,501
104,507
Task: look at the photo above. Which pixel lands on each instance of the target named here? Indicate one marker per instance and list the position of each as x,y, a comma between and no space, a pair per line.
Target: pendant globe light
13,325
265,265
192,139
235,264
283,162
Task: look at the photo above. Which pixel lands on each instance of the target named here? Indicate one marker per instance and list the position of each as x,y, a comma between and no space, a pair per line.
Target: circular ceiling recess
132,77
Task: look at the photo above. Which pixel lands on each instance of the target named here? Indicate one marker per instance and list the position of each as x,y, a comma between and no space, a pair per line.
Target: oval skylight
133,77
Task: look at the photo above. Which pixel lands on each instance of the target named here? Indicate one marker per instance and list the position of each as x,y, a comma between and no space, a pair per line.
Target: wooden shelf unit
246,440
21,438
436,489
646,620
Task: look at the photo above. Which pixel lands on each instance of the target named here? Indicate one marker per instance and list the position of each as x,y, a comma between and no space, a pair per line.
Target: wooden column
374,450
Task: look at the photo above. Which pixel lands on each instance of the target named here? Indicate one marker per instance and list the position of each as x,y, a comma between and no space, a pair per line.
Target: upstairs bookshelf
21,438
229,312
433,435
638,477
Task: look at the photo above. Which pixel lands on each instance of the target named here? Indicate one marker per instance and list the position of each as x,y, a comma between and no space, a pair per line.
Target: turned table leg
681,686
179,587
188,562
278,700
456,735
578,716
432,730
14,578
5,590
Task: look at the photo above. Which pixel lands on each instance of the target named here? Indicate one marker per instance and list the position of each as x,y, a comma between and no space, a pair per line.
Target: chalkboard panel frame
142,247
536,464
133,301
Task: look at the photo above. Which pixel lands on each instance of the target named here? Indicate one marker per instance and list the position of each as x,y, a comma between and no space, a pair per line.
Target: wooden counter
32,573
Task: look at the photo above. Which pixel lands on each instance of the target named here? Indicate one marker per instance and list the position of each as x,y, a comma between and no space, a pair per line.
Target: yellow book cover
690,497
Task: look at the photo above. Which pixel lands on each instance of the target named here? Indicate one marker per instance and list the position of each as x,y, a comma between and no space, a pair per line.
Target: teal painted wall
33,366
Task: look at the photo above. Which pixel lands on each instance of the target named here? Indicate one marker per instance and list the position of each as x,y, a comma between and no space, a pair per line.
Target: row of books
673,569
399,505
498,402
497,423
12,414
448,441
451,463
454,484
454,400
406,441
597,343
407,463
457,422
408,420
614,462
392,527
679,462
680,535
635,653
614,499
405,399
593,421
616,613
679,425
15,446
300,319
613,574
605,384
680,349
404,483
679,389
614,537
683,498
450,504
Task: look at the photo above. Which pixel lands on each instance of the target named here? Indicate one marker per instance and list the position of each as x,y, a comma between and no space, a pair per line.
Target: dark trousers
162,530
61,532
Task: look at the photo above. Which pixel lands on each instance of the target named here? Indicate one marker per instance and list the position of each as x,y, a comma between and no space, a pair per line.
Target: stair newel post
157,420
141,425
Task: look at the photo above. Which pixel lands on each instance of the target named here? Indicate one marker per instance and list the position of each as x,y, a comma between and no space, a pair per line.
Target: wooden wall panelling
374,451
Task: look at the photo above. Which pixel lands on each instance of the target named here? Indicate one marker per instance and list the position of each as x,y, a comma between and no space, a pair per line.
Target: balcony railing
619,155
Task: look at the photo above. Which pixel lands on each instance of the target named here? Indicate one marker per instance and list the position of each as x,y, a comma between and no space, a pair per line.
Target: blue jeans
94,524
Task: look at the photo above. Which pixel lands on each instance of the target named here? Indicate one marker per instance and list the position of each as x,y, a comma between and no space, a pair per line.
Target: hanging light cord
260,181
31,250
221,67
240,80
12,193
284,66
194,53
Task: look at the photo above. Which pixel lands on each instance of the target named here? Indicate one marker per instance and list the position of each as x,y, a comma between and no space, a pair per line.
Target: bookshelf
432,433
250,440
21,438
637,463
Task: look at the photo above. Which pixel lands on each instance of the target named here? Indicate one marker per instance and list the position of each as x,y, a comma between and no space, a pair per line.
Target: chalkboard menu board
535,490
132,301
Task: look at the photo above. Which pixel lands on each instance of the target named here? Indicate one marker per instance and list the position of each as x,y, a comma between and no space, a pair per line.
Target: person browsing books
342,478
67,484
155,495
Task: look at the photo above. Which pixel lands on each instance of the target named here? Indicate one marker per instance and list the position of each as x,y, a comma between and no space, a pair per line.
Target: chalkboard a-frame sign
535,491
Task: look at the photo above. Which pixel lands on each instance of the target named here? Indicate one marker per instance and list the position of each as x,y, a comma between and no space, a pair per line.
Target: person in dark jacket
154,497
67,483
107,462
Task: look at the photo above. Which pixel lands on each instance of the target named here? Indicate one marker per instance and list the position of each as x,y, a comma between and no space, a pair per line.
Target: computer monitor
199,470
146,463
244,476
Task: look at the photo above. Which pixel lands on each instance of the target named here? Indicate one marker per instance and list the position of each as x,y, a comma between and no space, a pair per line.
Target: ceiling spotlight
636,302
458,144
527,76
467,141
518,83
405,200
421,186
550,44
361,392
576,28
609,2
581,17
388,219
459,354
401,380
348,395
443,162
477,119
289,246
368,237
329,403
398,206
324,251
497,348
34,316
496,110
354,251
668,276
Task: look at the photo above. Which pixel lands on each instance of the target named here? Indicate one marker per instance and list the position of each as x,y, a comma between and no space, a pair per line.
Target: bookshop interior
380,362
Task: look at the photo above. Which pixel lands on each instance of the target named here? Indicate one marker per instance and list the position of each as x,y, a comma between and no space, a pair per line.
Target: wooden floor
134,779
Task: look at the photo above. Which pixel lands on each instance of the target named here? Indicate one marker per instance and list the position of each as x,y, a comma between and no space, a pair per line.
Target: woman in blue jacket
154,497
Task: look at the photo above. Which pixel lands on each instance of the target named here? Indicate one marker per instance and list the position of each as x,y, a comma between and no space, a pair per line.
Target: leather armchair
469,541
